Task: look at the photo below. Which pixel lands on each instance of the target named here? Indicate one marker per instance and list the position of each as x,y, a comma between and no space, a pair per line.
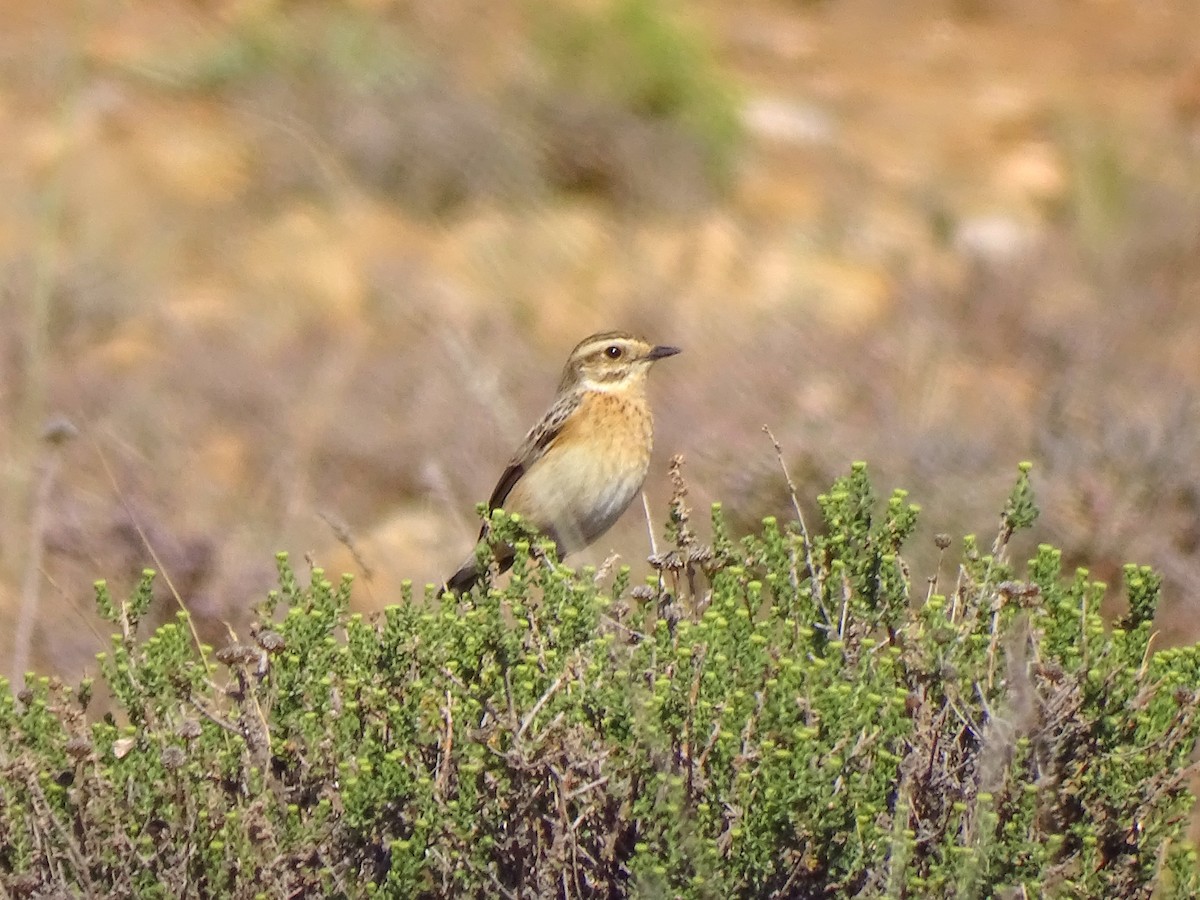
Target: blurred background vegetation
299,275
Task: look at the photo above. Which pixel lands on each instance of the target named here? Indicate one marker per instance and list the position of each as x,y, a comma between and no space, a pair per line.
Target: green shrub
772,717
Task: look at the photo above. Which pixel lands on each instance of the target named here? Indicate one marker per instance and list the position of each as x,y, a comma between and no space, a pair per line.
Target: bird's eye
612,351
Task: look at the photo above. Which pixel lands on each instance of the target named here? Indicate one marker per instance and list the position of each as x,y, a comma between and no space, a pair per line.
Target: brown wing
534,445
508,480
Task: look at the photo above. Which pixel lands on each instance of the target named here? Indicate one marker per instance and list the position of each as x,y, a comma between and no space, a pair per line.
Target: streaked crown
611,360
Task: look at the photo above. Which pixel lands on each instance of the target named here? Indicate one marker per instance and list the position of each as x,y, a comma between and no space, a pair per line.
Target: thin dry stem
791,486
158,565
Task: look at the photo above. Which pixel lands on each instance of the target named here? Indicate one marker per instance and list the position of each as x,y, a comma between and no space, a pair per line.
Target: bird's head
612,361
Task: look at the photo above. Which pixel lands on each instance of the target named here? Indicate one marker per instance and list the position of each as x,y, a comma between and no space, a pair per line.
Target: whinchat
580,467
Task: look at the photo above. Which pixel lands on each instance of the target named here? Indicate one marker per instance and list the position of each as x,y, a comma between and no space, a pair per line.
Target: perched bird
582,464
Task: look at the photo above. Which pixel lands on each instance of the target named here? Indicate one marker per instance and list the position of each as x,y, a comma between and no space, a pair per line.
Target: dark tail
468,576
462,580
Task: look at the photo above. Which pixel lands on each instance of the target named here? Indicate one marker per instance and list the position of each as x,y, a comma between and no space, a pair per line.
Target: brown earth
292,273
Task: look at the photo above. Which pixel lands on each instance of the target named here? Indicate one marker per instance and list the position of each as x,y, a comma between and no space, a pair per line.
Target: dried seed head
173,758
237,655
78,747
271,641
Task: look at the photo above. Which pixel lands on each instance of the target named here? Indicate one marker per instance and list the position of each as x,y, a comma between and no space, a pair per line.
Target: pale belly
575,494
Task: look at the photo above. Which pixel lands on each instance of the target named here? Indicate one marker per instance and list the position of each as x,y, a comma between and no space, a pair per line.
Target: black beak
661,352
